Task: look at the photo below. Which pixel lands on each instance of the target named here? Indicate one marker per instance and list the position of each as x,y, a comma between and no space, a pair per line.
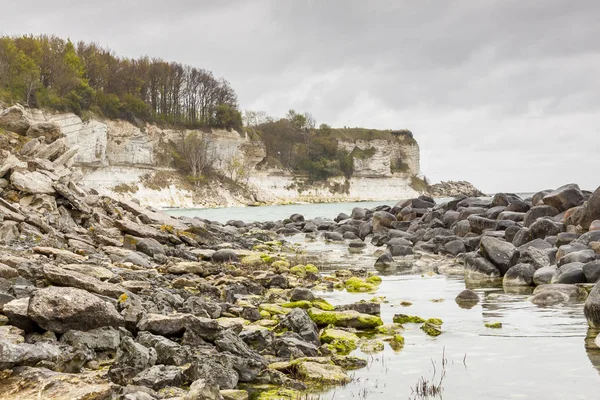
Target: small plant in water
429,389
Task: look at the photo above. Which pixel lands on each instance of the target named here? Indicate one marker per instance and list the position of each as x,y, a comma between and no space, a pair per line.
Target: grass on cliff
354,134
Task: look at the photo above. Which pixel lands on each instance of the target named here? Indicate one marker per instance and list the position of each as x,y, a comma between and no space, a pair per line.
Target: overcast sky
505,94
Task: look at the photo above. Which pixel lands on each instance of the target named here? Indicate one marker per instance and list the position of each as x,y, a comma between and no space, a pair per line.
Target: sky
504,94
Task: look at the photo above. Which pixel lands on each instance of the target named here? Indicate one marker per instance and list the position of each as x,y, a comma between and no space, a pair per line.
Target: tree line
50,72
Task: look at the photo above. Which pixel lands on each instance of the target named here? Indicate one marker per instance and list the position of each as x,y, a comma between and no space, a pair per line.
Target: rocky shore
103,298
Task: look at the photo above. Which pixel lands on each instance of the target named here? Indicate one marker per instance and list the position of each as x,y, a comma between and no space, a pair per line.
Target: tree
198,152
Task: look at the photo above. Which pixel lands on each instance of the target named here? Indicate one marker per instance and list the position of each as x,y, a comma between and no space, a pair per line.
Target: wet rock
545,275
500,253
363,307
386,264
132,358
346,319
60,309
591,309
549,298
290,346
399,251
479,268
573,292
564,197
455,247
570,273
333,236
467,298
519,275
323,373
591,210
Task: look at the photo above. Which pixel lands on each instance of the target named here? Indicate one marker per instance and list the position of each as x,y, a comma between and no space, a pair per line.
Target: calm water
540,353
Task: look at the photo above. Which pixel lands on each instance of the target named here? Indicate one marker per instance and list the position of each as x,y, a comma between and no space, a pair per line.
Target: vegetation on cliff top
50,72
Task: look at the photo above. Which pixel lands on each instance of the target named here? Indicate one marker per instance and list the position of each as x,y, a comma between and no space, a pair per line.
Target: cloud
503,93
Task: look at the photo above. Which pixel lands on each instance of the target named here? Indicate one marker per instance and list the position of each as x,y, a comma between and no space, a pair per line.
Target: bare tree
198,151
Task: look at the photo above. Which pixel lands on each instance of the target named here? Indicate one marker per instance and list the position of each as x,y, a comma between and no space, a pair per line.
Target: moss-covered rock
346,319
326,374
407,319
358,285
252,260
304,304
389,329
494,325
273,309
339,341
374,280
435,321
322,304
405,303
431,329
280,394
371,346
233,394
349,362
298,270
397,342
311,268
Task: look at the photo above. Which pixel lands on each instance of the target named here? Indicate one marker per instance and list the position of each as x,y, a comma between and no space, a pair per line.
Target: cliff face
119,158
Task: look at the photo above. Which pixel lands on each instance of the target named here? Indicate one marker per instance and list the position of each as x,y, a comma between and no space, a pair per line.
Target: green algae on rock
371,346
407,319
431,329
397,342
494,325
346,319
358,285
389,329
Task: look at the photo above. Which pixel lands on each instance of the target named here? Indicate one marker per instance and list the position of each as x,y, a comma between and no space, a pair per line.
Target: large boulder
538,212
15,119
519,275
478,268
544,275
60,309
564,197
591,270
386,264
500,253
299,322
247,362
132,358
344,319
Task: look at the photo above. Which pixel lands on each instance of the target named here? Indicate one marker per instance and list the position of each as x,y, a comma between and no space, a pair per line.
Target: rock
15,119
467,298
582,256
519,275
363,307
570,273
141,230
290,346
538,212
535,257
564,197
41,383
59,309
480,224
386,264
573,292
382,221
500,253
231,394
64,277
455,247
32,182
47,130
298,321
216,369
225,256
342,342
300,294
591,270
150,247
591,210
132,358
549,298
17,313
478,268
160,376
544,275
9,232
176,324
591,309
247,362
19,354
201,390
346,319
100,339
322,373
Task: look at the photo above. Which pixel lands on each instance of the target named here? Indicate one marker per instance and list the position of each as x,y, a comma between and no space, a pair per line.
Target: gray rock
60,309
217,369
100,339
591,309
247,362
564,197
591,270
9,232
399,251
26,354
299,322
500,253
467,298
591,210
535,257
132,358
176,324
549,298
519,275
150,247
17,313
202,307
299,294
570,273
260,340
544,275
386,264
333,236
15,119
225,256
363,307
32,182
64,277
455,247
479,268
582,256
160,376
290,346
538,212
168,352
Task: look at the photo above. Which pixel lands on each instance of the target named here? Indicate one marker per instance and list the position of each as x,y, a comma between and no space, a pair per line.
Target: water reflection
592,347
